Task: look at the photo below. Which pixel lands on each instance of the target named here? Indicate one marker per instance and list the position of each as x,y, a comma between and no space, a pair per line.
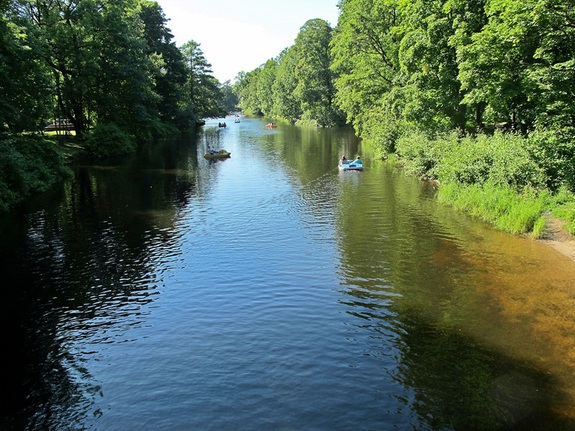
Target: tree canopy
437,65
298,85
96,62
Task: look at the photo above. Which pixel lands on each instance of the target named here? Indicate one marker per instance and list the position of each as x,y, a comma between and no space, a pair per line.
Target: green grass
500,205
511,181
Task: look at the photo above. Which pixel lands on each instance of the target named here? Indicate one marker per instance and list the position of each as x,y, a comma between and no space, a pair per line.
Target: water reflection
98,261
479,329
270,289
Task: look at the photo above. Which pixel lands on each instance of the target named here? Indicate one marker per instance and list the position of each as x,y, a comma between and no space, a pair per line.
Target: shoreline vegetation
477,96
502,179
96,80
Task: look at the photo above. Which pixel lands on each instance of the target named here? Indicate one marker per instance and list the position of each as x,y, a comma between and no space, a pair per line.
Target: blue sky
240,35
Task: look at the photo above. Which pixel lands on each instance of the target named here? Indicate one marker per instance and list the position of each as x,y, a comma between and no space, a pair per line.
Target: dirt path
559,239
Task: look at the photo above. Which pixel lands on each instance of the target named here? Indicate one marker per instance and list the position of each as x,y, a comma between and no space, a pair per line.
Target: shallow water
270,291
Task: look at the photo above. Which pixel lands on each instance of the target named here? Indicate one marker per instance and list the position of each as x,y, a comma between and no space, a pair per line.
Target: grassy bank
511,181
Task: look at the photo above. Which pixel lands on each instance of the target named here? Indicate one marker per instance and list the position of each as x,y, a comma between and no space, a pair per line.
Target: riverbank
557,237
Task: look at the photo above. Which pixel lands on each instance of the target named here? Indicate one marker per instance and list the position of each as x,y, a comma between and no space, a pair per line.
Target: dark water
271,292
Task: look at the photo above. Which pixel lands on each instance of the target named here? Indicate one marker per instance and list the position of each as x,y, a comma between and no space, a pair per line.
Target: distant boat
271,125
222,154
349,165
237,120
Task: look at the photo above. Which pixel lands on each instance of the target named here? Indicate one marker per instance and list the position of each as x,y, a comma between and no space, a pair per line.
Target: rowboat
349,165
222,154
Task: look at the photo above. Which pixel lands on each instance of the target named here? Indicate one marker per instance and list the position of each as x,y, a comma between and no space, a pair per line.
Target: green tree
230,100
298,85
315,88
246,90
96,53
430,89
365,50
468,17
285,104
552,74
495,66
169,71
122,90
204,93
264,85
25,101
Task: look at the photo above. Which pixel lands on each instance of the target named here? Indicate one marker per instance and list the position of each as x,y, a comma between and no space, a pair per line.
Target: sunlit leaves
297,86
203,90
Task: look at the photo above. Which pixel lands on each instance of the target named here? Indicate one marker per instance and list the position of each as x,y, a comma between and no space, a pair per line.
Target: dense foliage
431,81
433,65
29,166
109,69
95,61
298,85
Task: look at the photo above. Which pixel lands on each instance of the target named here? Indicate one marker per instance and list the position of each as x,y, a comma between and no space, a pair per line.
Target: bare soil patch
558,238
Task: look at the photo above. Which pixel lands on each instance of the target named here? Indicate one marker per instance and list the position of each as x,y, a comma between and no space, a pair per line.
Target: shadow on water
481,322
83,264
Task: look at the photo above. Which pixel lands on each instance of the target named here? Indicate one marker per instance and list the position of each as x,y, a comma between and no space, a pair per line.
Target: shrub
418,153
502,159
28,165
554,153
382,129
108,141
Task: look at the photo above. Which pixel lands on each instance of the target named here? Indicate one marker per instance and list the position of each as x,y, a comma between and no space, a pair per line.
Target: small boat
222,154
271,125
237,120
351,165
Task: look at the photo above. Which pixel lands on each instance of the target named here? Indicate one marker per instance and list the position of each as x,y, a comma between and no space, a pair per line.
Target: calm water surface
269,291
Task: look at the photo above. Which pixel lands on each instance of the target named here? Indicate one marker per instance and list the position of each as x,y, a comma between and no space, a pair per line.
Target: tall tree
553,72
430,89
264,86
124,93
246,90
315,88
25,97
230,99
495,65
95,51
468,17
365,50
169,71
285,103
204,93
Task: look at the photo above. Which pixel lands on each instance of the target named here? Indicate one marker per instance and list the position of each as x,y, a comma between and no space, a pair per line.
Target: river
269,291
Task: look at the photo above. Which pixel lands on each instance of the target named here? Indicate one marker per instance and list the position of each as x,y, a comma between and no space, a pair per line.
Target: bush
554,153
28,165
420,154
107,141
383,129
503,159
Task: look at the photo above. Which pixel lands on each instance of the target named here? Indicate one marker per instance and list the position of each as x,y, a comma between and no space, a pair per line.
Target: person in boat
357,159
343,160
